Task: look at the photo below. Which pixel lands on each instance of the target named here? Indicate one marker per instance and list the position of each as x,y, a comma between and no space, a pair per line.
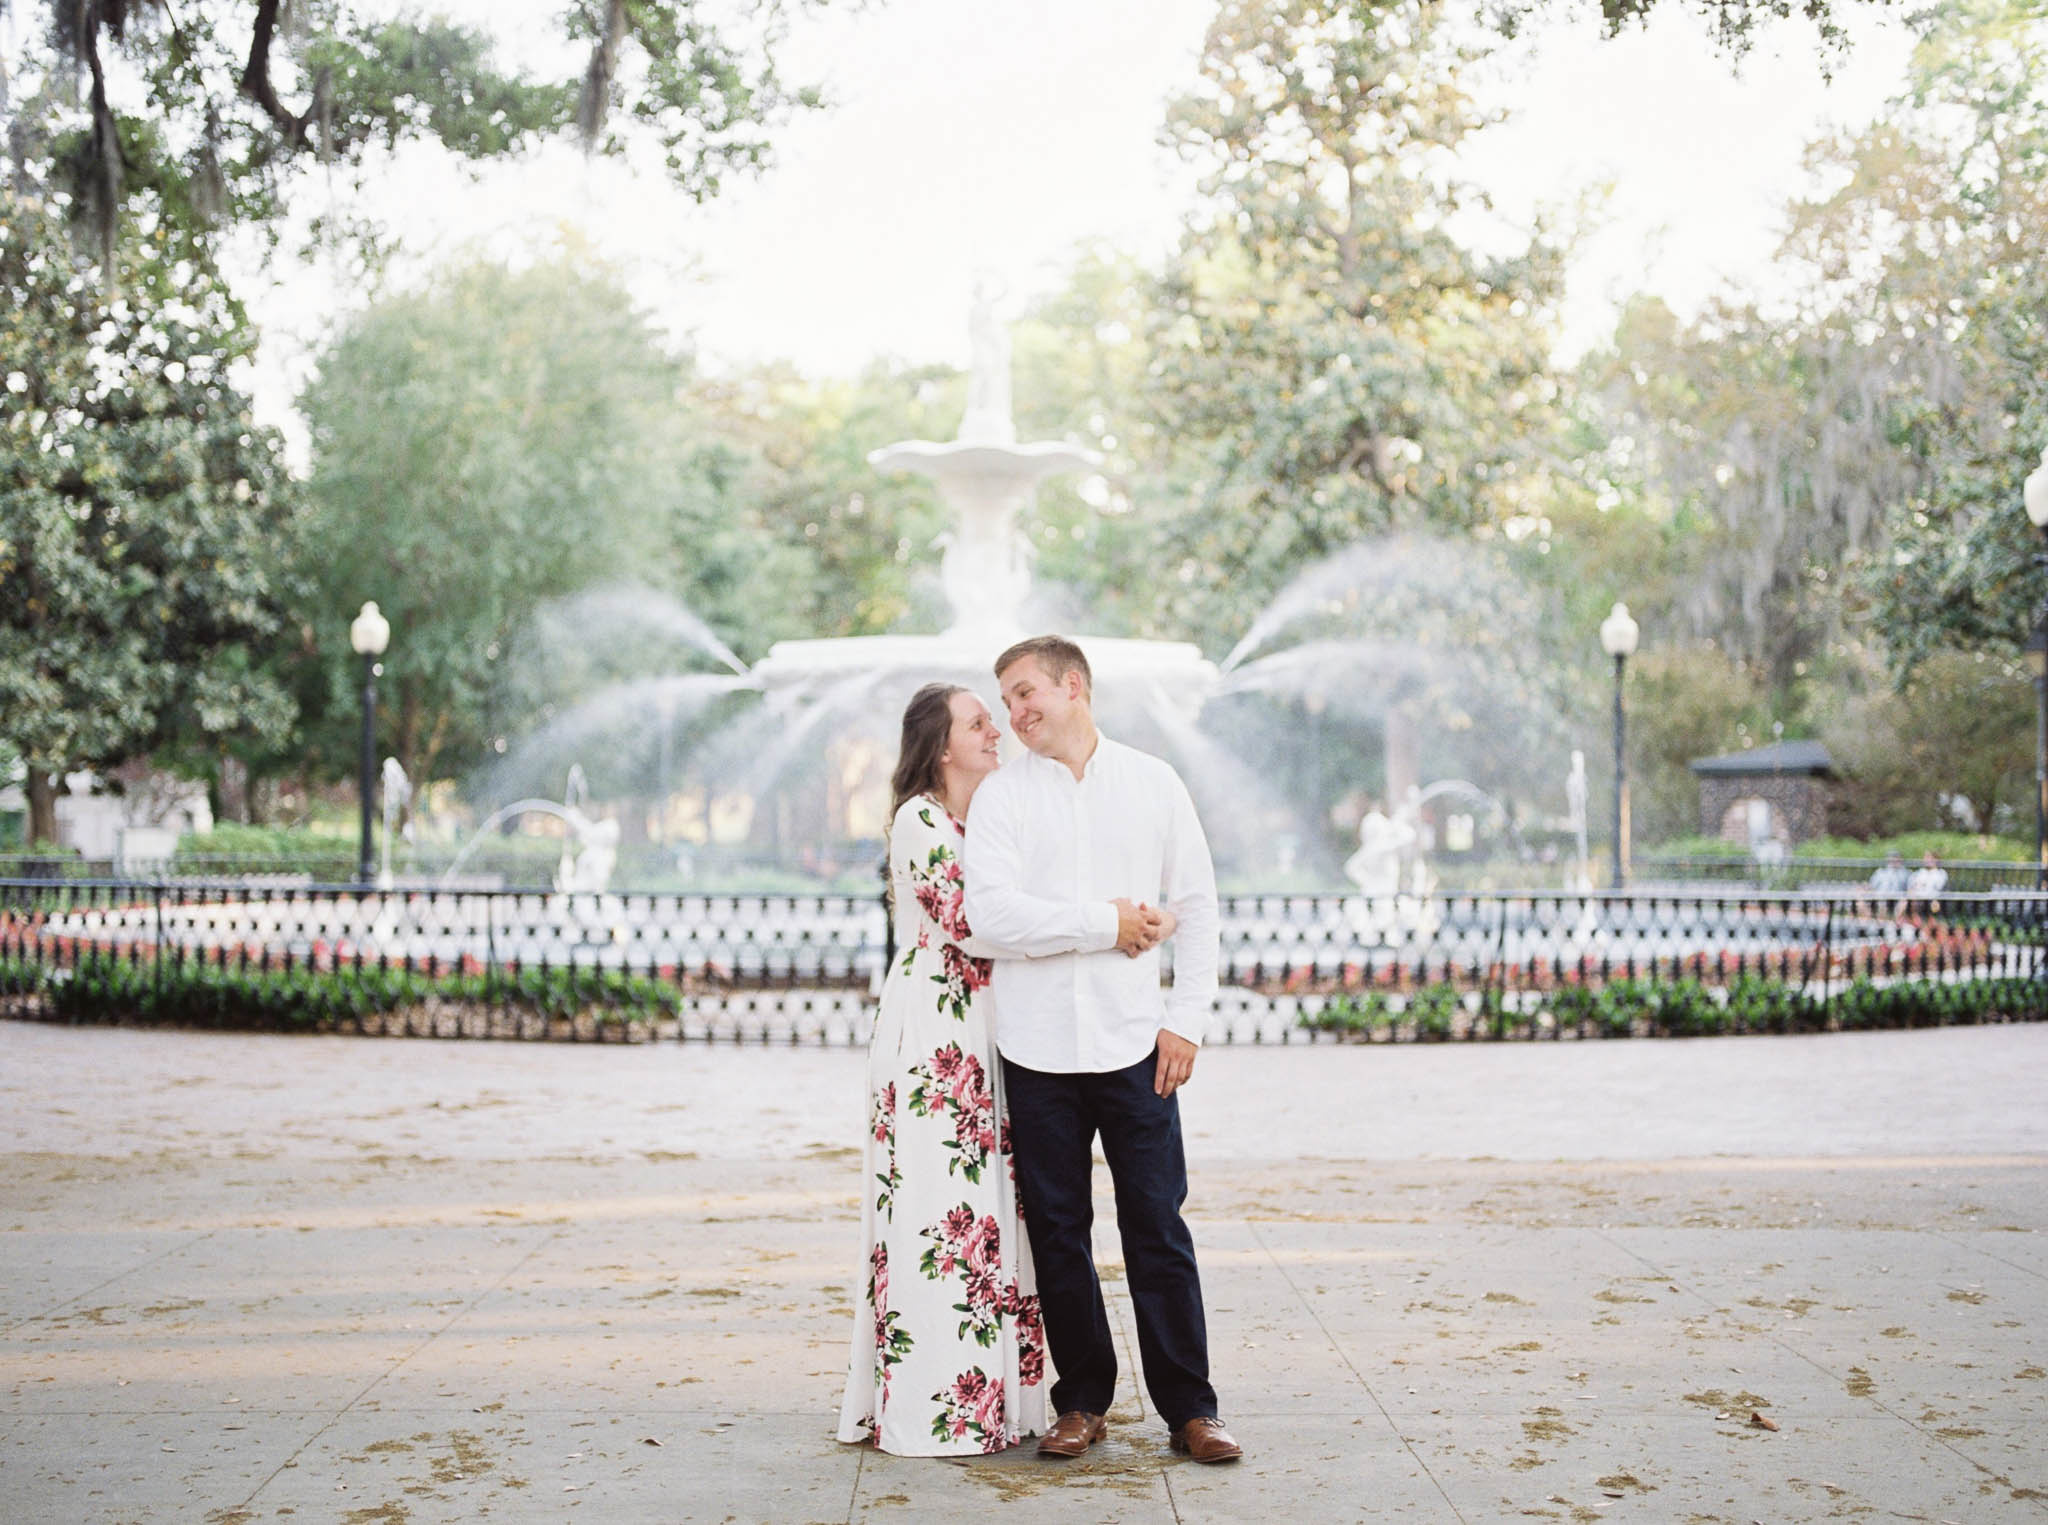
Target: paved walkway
261,1278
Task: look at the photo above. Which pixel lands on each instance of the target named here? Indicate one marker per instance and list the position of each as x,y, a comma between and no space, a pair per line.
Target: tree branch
255,82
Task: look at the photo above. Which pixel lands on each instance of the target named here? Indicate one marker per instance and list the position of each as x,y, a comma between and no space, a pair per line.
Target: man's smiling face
1042,711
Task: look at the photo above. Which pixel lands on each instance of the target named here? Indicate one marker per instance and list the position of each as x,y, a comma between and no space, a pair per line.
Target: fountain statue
988,420
1382,843
397,795
590,852
987,479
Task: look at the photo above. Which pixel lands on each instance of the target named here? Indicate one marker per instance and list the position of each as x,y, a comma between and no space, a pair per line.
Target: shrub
1357,1017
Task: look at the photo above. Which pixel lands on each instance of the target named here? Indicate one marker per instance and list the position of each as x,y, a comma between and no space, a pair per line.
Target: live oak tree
1344,364
1940,239
194,119
492,442
145,520
1774,451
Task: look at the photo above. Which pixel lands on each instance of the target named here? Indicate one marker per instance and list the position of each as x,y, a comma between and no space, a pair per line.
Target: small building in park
1775,794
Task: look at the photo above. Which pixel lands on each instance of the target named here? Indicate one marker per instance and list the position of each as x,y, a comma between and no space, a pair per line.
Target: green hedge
192,994
1949,846
178,993
1679,1009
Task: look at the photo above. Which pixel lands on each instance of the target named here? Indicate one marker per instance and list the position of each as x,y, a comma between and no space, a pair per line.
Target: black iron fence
806,967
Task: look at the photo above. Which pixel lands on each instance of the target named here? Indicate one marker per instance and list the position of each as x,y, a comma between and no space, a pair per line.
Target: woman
948,1352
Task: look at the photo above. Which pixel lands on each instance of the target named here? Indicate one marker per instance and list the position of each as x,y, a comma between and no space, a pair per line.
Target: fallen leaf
649,1440
1758,1421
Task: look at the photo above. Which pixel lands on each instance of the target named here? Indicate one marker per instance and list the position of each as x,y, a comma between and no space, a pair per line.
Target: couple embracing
1023,1021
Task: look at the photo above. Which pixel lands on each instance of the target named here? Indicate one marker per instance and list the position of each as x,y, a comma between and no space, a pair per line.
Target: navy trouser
1054,1119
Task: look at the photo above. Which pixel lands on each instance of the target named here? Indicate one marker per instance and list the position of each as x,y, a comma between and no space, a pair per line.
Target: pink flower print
964,975
984,1295
883,1124
891,1344
971,1404
984,1244
988,1415
953,1081
1029,1323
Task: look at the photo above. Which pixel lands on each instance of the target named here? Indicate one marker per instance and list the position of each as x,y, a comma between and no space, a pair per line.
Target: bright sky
983,134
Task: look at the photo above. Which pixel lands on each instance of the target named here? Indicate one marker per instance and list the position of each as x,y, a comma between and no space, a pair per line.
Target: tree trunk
42,808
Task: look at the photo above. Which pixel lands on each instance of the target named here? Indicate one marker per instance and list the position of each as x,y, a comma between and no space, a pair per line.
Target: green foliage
1358,1017
1959,723
146,523
1688,1009
1684,702
1333,361
191,993
1431,1010
1949,846
1770,451
186,129
1936,242
494,442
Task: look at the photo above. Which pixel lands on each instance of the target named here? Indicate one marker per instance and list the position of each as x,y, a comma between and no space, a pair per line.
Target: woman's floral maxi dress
948,1350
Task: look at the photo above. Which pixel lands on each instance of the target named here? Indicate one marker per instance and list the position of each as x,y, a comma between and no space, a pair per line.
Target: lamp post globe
1618,635
369,633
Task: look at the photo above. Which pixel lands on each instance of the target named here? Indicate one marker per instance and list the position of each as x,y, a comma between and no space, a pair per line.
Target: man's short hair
1056,654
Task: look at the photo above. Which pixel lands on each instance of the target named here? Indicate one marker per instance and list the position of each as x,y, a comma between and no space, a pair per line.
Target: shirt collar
1088,770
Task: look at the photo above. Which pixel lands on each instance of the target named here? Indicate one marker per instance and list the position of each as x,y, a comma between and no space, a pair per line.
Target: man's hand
1176,1062
1138,928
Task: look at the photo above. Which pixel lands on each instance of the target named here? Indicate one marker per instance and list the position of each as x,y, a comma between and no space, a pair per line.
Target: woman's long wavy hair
927,727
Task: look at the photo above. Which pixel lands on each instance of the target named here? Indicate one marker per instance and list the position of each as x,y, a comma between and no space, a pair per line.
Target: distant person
1928,881
1068,844
1890,877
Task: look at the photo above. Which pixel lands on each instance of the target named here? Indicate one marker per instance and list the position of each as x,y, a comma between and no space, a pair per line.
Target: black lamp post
1618,639
2036,495
368,633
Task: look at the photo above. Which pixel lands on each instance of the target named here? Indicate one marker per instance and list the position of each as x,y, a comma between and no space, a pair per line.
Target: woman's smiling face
973,746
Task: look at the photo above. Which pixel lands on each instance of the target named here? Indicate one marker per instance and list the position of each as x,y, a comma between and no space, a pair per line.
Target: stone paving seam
1978,1249
336,1417
860,1465
1357,1376
55,1308
1172,1503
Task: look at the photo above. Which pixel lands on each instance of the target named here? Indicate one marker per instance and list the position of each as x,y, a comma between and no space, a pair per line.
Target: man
1066,847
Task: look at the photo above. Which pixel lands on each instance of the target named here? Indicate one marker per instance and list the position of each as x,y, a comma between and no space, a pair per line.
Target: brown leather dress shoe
1072,1434
1205,1439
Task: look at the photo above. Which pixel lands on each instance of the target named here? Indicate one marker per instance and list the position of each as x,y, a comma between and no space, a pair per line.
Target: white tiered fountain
987,479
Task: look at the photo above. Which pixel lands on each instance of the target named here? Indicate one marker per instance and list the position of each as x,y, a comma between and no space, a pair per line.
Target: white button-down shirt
1046,854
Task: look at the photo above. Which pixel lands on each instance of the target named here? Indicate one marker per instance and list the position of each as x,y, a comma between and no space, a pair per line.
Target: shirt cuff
1102,920
1192,1025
